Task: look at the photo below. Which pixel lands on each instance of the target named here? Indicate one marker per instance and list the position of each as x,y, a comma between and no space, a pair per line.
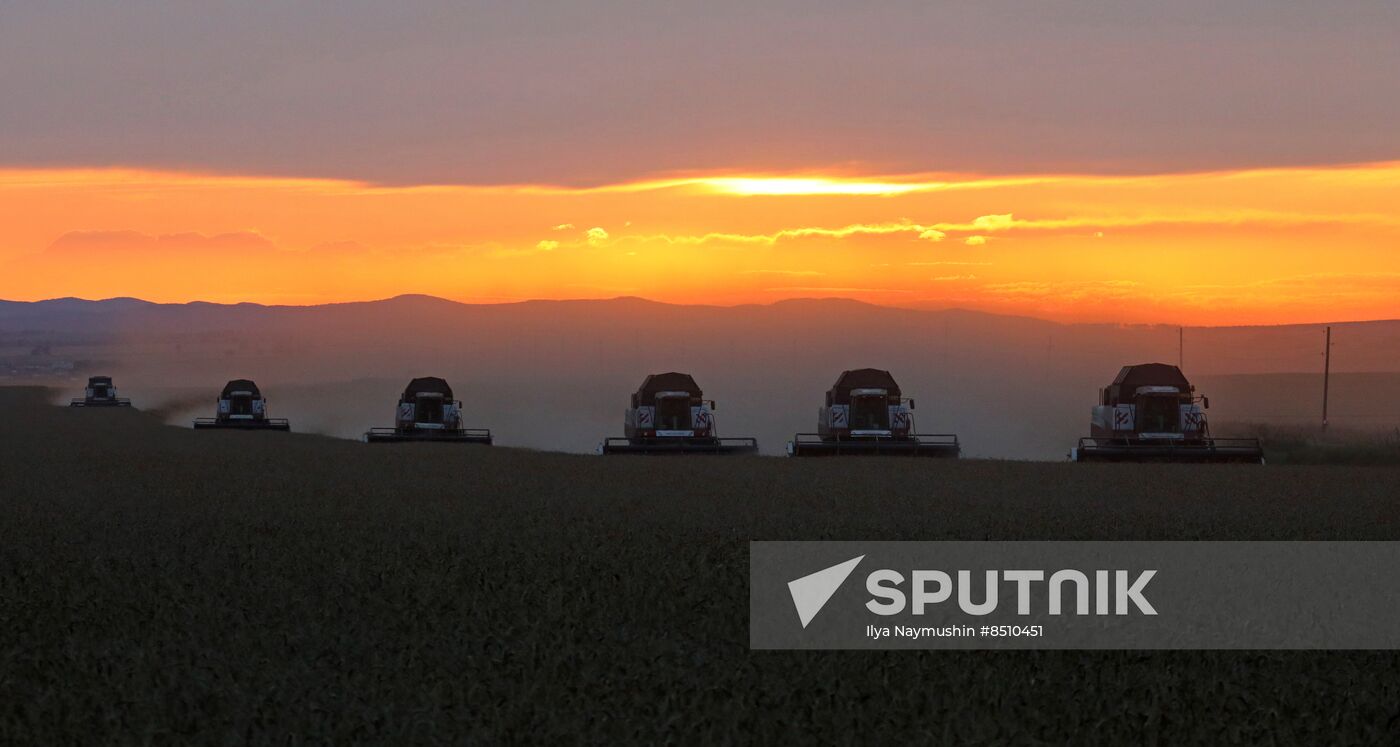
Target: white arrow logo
811,593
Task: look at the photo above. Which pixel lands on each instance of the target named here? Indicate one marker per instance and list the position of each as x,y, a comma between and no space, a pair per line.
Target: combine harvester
242,407
100,393
669,415
428,412
865,415
1150,413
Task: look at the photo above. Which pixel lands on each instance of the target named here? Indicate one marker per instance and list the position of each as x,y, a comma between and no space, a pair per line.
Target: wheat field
162,586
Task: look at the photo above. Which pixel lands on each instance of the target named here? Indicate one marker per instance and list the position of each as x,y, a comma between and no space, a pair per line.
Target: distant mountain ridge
70,303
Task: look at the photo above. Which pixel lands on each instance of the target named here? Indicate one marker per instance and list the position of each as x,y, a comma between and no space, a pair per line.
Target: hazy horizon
551,377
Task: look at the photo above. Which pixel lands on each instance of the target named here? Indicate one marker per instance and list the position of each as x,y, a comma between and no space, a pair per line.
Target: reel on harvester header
866,415
427,411
100,393
1150,413
241,406
669,415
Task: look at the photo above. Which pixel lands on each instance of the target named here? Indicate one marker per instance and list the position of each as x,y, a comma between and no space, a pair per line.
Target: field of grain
165,586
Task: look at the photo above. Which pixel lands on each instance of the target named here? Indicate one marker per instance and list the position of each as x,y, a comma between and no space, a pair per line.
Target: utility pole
1326,374
1180,347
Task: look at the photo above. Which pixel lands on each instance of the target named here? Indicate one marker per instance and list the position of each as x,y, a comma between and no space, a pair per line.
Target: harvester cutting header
1151,413
100,393
669,415
427,411
241,406
866,414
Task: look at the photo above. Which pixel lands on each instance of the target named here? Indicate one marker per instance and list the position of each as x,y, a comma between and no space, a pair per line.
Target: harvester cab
1152,413
669,415
427,411
866,414
100,393
242,406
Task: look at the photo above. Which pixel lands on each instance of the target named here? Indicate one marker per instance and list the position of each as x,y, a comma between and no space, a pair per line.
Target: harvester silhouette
1150,413
866,415
427,411
241,407
669,415
100,393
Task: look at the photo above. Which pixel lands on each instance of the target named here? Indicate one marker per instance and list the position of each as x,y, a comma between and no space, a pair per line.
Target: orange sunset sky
1114,170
